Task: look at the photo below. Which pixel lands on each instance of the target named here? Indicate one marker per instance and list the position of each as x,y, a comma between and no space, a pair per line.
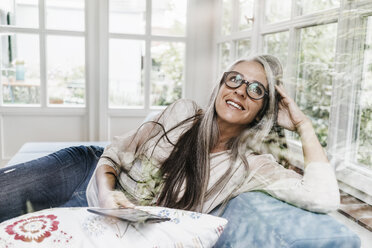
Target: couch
255,219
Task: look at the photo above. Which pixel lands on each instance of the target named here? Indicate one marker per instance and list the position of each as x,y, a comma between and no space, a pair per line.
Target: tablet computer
129,214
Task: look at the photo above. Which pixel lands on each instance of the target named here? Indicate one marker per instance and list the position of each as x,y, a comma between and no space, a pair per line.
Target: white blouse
140,180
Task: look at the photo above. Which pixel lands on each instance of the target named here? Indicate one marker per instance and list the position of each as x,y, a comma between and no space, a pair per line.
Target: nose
242,90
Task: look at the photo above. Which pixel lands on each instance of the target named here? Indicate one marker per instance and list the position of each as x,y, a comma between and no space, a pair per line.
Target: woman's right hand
108,197
114,199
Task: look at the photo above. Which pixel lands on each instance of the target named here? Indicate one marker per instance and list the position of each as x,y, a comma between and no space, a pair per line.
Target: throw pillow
76,227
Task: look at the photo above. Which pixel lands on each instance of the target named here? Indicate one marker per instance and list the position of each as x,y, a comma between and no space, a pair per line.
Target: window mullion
103,43
147,65
234,28
92,68
43,62
293,45
256,38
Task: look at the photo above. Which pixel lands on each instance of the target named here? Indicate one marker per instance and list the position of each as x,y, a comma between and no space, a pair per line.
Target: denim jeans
56,180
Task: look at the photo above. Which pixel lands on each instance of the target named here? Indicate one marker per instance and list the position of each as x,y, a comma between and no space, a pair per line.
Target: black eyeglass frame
242,81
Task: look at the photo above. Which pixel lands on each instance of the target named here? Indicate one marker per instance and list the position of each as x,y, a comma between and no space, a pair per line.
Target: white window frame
104,37
354,179
148,37
97,37
42,33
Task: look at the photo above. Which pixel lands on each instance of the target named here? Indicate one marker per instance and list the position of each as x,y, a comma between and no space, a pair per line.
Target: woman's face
227,99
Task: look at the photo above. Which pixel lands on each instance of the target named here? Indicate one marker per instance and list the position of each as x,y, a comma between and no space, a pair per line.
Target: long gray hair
253,134
193,165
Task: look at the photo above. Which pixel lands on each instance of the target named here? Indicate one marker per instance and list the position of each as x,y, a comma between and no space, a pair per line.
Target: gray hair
253,134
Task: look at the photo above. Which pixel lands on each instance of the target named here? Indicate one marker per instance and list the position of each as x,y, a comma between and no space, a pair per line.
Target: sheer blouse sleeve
317,190
120,154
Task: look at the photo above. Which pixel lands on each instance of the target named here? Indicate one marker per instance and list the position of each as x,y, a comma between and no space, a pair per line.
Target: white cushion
76,227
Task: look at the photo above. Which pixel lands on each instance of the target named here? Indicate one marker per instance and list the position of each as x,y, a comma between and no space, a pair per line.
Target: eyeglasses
255,90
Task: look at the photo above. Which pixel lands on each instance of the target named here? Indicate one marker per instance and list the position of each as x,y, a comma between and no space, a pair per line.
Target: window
276,11
43,53
234,40
364,154
315,67
327,70
306,7
43,56
146,59
20,69
277,44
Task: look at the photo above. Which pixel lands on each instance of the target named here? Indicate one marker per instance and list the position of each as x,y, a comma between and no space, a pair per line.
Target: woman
195,160
185,158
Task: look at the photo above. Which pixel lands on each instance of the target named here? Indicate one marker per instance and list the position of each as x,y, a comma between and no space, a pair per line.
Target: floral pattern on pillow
76,227
35,228
94,225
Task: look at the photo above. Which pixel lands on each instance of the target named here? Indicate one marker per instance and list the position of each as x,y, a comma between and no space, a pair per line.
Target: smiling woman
186,157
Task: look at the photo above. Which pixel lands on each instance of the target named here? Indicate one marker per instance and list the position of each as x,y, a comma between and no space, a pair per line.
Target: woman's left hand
289,115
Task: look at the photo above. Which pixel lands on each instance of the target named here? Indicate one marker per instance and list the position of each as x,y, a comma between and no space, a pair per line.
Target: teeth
234,104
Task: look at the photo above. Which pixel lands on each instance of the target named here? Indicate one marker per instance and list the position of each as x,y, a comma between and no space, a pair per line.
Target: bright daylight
186,123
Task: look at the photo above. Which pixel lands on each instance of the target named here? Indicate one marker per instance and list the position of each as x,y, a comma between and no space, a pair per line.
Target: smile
235,105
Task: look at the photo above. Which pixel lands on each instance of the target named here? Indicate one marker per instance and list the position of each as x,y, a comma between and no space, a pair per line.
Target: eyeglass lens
254,89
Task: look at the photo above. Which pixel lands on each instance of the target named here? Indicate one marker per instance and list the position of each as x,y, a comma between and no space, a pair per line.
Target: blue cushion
259,220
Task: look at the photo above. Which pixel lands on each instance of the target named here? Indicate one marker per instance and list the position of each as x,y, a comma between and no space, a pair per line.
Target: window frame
42,31
353,178
148,38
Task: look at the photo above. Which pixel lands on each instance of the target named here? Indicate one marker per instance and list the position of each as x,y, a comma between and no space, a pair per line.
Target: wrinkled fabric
57,180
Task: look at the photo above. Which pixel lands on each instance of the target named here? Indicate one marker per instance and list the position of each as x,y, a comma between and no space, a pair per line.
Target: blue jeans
56,180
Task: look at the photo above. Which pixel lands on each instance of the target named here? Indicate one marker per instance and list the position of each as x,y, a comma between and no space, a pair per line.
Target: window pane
277,44
22,13
169,17
65,14
167,72
224,55
20,69
245,14
277,11
364,154
226,17
66,70
127,16
126,73
307,6
314,76
243,48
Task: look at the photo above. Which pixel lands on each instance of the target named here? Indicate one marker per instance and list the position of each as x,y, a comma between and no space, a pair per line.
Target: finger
286,100
280,89
122,201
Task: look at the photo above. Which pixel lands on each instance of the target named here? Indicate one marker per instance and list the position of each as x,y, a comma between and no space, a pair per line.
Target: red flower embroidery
33,228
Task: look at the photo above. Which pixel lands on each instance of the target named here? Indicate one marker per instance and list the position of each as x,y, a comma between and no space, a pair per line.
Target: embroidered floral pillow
76,227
